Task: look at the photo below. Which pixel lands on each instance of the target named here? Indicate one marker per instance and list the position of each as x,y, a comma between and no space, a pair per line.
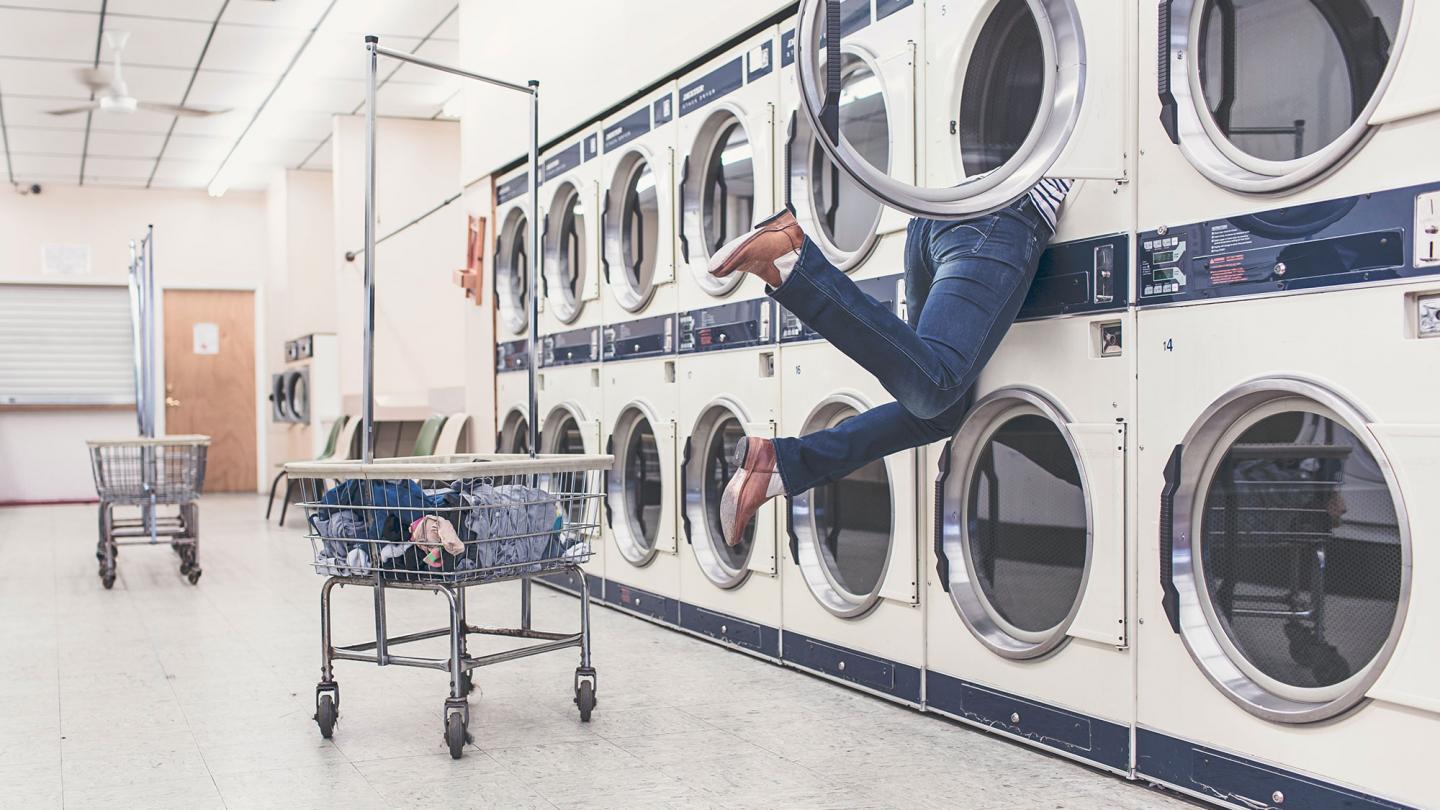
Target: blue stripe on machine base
643,337
576,347
712,86
1100,741
627,129
660,608
730,630
566,581
900,681
884,8
1226,777
512,188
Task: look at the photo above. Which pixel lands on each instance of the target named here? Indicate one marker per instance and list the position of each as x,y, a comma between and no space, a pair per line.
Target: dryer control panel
737,325
513,355
645,337
576,347
888,290
1081,277
1352,240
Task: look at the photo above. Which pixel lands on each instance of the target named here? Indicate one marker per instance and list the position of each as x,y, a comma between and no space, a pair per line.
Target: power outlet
1427,229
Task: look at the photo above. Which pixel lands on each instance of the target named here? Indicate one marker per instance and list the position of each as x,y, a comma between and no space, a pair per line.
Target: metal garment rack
142,315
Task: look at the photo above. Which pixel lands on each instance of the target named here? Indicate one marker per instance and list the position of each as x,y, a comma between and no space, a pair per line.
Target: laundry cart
445,524
161,478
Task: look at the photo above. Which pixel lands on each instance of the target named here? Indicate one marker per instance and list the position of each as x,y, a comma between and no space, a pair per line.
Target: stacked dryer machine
1288,300
512,259
851,562
571,310
1025,621
727,341
307,392
638,344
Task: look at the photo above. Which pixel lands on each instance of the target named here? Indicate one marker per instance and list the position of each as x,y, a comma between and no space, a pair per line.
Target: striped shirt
1048,195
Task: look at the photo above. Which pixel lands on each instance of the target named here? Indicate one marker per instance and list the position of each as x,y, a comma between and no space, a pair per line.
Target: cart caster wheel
469,683
585,699
108,580
325,715
194,575
455,734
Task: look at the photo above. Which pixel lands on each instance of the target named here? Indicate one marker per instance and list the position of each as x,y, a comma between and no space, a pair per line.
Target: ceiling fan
111,94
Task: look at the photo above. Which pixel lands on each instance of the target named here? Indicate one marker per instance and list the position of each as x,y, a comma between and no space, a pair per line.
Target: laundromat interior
656,404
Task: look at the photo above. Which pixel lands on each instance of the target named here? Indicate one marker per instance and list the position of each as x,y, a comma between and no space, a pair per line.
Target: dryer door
1007,97
568,252
1268,96
512,271
708,467
640,488
637,226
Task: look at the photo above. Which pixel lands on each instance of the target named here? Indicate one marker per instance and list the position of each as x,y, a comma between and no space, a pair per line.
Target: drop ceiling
283,68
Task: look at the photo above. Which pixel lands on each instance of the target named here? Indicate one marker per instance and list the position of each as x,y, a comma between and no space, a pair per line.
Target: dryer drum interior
844,529
637,485
719,203
709,468
1299,563
279,402
514,434
512,271
632,230
566,252
1017,524
297,395
562,433
1251,113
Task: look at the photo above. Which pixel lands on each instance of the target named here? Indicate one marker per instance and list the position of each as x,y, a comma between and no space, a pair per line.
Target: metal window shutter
65,345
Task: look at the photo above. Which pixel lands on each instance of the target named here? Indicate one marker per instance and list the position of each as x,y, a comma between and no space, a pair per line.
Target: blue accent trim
854,16
736,325
576,347
714,85
627,129
1225,777
1070,280
664,110
888,677
512,356
884,8
1335,243
561,162
512,188
592,147
644,337
565,581
660,608
888,290
787,48
730,630
759,62
1099,741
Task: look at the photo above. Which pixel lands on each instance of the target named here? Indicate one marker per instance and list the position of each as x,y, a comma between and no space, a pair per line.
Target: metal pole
150,331
368,394
536,254
137,315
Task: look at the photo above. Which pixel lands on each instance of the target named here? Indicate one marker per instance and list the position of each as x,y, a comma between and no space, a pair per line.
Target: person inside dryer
964,282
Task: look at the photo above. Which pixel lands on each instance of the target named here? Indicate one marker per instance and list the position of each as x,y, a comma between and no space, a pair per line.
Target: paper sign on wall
65,260
207,338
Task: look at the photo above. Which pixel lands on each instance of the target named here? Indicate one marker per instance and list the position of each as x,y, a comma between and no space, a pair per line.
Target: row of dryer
1183,533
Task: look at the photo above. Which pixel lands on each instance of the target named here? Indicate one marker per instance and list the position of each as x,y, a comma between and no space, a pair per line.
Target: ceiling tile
27,166
411,100
190,147
229,124
94,179
138,121
48,34
167,43
320,158
45,141
300,14
176,9
38,77
320,95
125,144
287,123
249,49
227,91
189,173
413,18
118,167
24,111
92,6
342,55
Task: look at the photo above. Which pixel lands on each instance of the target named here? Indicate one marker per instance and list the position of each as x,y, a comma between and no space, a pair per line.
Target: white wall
200,243
586,56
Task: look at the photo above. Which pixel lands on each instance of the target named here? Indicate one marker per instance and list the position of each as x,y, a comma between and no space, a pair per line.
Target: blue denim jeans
964,283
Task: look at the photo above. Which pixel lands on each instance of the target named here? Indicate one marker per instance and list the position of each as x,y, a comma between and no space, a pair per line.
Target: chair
429,436
342,434
453,439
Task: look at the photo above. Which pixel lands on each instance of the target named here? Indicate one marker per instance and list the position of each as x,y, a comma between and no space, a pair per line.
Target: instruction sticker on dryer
207,338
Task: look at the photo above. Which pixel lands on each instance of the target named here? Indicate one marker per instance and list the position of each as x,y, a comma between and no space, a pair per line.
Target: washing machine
726,159
570,234
571,405
512,256
729,389
851,549
1288,440
307,393
637,208
642,566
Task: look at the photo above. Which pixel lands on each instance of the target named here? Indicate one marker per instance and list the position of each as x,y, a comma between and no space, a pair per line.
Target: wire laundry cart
149,474
445,524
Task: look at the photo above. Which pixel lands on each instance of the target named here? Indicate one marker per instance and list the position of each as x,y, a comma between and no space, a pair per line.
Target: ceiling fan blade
176,109
96,79
94,105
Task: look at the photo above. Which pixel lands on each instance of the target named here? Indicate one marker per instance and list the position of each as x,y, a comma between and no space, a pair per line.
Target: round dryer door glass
719,454
1282,79
512,272
1003,89
300,396
728,195
643,489
1300,551
632,231
566,253
847,216
515,435
565,437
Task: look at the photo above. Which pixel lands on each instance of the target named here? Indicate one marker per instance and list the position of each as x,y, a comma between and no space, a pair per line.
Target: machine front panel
888,290
571,348
645,337
737,325
513,355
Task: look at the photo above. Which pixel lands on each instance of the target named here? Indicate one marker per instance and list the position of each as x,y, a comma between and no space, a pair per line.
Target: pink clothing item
433,533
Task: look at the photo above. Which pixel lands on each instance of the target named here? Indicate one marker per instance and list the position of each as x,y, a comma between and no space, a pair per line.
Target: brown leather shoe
749,487
756,251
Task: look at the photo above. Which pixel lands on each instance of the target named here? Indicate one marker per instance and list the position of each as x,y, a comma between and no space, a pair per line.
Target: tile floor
159,694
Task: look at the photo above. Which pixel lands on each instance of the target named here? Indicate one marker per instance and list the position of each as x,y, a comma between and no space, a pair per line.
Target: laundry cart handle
1169,597
942,562
1169,111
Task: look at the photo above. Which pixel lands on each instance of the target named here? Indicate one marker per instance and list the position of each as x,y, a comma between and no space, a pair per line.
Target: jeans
964,282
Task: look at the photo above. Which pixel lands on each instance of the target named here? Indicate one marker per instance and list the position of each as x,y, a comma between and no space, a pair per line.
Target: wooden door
210,380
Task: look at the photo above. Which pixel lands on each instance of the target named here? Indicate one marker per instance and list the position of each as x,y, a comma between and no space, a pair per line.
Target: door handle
171,402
